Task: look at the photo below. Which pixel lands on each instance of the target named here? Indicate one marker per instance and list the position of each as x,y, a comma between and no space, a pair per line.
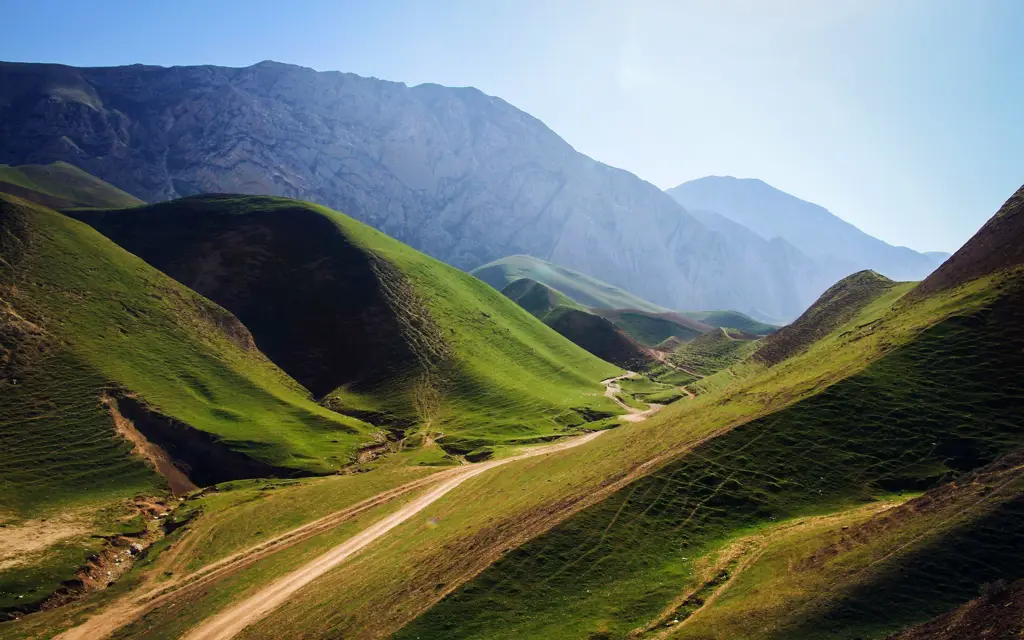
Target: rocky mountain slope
460,175
836,245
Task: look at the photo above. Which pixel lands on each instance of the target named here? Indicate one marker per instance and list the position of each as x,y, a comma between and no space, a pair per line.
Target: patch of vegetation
62,185
894,426
712,352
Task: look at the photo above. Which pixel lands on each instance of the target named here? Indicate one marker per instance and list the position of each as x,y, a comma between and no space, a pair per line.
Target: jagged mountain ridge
460,175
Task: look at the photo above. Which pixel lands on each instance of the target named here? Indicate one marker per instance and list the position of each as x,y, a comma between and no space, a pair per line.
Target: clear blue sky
902,116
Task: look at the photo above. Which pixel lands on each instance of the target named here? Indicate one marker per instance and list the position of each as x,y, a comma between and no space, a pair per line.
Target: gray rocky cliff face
460,175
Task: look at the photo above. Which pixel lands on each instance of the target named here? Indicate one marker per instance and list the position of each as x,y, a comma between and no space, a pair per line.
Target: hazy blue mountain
838,246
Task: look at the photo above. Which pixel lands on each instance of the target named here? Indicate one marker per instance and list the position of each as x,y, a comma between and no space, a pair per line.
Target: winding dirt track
612,387
230,621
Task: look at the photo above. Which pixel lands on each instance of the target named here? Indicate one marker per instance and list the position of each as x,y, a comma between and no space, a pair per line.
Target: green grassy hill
731,320
651,329
766,526
712,352
538,299
371,326
834,308
82,319
587,291
60,186
591,332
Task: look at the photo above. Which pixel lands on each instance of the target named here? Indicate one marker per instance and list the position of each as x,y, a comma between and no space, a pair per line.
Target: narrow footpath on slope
229,622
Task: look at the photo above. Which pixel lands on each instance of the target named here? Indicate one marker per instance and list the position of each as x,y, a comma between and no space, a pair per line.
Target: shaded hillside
587,291
458,174
595,334
365,322
997,614
999,244
834,308
61,185
732,320
839,247
650,329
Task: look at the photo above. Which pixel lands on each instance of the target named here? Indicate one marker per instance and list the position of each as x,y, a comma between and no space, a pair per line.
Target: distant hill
712,352
61,185
587,291
650,329
731,320
835,307
376,329
814,230
591,332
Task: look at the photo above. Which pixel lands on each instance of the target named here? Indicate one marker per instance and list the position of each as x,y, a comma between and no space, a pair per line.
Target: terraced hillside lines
587,291
835,307
868,578
711,353
615,565
61,185
378,329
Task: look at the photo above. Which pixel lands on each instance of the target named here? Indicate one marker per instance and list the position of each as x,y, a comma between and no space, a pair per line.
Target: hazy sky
902,116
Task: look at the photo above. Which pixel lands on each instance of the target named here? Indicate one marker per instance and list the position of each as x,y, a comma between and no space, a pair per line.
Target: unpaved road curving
229,622
612,387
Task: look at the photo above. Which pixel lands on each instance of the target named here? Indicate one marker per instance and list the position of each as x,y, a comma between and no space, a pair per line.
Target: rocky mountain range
460,175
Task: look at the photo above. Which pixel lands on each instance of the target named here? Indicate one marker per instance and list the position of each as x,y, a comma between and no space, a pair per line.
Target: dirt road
612,387
227,623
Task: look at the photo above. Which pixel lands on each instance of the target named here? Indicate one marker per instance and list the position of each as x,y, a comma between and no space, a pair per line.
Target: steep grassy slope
81,319
61,185
650,329
731,320
712,352
866,578
894,426
374,327
834,308
997,614
595,334
537,298
588,291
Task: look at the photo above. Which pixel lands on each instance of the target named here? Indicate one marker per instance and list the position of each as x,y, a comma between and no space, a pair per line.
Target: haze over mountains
462,176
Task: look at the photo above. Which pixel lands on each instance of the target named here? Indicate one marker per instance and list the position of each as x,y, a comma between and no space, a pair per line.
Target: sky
901,116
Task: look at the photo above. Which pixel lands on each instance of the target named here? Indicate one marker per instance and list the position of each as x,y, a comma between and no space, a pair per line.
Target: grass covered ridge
61,185
379,329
